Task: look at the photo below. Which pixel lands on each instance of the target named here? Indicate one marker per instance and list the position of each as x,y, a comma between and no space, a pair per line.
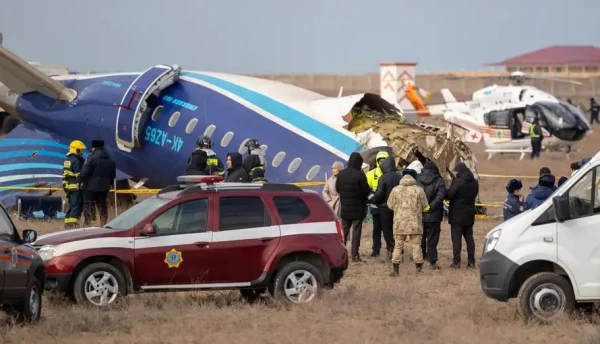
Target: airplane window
264,148
210,130
157,112
226,139
174,118
294,165
191,125
243,148
312,173
278,159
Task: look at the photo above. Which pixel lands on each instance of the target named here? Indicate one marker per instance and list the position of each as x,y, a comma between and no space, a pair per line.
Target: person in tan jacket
330,194
408,202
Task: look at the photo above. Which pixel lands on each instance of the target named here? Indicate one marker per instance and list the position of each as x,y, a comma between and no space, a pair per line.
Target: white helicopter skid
523,146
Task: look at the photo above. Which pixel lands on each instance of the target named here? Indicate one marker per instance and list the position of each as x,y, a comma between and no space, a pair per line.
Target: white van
549,257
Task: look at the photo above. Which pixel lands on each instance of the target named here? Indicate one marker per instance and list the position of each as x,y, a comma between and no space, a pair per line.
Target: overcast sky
283,36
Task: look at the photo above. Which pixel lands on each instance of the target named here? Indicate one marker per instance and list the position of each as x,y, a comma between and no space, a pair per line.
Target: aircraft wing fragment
21,77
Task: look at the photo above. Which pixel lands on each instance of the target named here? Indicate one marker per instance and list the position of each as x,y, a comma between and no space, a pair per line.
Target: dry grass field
444,306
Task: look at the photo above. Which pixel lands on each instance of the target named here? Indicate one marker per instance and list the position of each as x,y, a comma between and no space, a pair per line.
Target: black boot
419,267
396,271
435,266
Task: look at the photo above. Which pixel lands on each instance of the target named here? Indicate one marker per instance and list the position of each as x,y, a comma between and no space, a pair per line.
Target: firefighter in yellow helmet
71,169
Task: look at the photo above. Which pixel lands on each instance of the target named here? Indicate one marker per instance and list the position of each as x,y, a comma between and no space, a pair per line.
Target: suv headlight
492,240
47,252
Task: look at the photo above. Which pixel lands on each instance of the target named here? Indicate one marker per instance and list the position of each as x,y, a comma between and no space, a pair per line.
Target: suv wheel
30,310
99,284
298,282
545,296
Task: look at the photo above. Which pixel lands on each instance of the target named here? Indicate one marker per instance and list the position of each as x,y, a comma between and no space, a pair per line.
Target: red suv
203,234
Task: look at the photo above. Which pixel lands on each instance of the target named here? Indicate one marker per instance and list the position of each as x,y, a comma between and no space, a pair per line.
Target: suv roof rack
194,184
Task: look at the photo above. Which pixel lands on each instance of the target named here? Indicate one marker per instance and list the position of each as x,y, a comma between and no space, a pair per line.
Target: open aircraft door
134,107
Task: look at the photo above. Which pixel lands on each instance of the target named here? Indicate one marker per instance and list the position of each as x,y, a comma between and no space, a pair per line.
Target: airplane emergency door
134,105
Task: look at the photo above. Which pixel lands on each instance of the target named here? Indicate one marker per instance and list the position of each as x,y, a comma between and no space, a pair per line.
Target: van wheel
546,296
99,284
30,310
251,295
298,282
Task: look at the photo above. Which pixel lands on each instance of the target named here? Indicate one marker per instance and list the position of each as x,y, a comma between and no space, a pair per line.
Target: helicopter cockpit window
577,114
554,115
498,119
530,114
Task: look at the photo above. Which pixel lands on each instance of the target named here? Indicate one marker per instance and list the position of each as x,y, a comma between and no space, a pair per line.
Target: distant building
558,59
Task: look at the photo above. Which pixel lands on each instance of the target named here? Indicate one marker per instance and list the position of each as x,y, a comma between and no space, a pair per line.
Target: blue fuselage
229,113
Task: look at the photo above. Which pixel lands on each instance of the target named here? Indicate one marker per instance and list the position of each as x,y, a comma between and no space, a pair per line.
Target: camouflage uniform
408,201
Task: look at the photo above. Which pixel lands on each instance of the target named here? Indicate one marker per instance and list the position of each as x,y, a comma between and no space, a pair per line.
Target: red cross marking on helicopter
474,136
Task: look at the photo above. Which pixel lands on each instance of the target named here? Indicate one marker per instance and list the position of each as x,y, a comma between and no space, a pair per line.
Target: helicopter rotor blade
550,78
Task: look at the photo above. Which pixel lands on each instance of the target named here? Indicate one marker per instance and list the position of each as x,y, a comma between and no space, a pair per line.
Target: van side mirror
29,236
561,208
148,230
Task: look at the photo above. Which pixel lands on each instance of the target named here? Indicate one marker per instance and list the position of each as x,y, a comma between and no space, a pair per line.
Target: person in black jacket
435,190
354,191
388,180
198,161
96,178
235,172
536,135
461,213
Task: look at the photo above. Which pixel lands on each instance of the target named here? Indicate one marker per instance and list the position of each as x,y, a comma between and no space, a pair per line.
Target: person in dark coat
388,180
259,176
545,170
354,191
462,194
594,110
536,135
256,158
435,190
96,178
513,204
197,163
540,192
235,172
561,181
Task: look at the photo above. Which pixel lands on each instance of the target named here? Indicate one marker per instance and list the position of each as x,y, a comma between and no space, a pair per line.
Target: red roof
573,55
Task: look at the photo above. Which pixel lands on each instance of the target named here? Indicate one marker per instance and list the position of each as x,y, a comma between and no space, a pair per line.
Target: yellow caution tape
308,183
128,191
505,176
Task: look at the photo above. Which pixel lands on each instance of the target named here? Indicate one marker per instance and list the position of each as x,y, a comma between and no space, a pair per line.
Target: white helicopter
502,116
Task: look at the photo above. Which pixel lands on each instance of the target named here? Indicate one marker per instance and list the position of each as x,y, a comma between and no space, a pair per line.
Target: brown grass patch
366,307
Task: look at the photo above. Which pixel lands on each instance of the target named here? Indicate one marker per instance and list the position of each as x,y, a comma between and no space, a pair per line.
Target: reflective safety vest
214,161
254,168
532,134
71,169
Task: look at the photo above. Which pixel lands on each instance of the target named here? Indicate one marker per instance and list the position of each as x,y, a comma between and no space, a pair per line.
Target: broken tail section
448,96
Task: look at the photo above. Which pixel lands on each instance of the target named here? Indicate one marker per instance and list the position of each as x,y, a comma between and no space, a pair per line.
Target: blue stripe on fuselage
294,117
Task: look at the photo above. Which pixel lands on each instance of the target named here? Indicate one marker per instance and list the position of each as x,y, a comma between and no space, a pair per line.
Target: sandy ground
366,307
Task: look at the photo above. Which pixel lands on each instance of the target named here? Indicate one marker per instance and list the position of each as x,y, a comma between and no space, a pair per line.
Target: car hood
77,234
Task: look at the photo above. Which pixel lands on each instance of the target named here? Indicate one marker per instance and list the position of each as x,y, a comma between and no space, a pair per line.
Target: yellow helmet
76,147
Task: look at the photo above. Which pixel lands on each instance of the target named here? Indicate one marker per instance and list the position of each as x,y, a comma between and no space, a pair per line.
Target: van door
578,244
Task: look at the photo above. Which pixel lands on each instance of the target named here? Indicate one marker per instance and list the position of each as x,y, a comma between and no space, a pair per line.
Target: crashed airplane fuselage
150,122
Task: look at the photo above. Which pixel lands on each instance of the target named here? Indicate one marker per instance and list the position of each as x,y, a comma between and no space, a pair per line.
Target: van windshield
129,218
